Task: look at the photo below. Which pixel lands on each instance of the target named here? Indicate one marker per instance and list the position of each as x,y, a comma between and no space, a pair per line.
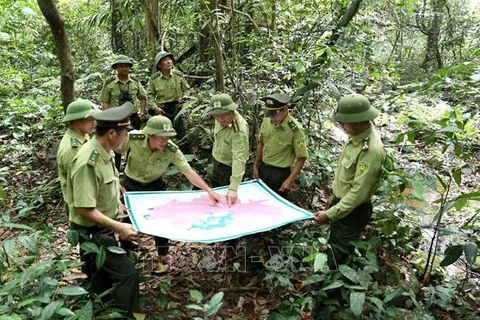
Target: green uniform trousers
117,271
345,230
274,177
157,185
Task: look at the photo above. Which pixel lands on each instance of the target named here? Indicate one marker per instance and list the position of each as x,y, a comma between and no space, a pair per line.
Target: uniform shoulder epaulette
155,75
74,142
172,147
293,125
136,136
110,80
365,144
92,160
177,73
136,78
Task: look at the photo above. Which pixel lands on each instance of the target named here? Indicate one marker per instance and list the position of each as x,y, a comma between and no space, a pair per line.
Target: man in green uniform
166,90
123,88
80,125
94,195
230,147
151,152
281,145
357,177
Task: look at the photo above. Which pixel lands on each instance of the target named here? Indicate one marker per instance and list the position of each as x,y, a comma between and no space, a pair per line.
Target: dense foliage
418,260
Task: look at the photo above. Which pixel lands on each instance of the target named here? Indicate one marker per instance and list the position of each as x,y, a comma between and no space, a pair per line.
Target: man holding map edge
151,152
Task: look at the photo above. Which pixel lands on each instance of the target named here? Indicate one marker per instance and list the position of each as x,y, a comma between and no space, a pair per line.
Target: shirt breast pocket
347,170
109,191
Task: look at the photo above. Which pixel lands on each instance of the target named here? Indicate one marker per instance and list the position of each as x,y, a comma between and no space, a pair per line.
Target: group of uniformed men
90,179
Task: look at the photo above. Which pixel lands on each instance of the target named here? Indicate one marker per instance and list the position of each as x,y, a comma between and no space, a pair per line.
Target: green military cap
221,103
114,117
79,109
121,59
275,102
160,56
354,108
159,126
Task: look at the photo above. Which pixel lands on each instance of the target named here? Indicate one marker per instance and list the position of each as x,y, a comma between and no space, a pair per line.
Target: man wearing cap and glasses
166,91
281,145
349,208
94,189
151,153
230,146
80,123
123,88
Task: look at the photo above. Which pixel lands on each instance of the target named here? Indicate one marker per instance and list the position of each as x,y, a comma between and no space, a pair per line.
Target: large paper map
190,216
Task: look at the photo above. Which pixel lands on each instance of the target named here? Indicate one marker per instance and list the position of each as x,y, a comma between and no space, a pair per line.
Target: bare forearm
297,168
258,156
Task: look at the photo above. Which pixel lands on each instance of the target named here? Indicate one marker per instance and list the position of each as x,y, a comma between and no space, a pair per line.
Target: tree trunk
433,58
152,29
57,26
217,46
118,45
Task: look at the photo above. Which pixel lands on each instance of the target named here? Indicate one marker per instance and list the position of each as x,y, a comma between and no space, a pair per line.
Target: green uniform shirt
162,89
67,150
230,147
283,143
145,165
112,87
358,172
93,183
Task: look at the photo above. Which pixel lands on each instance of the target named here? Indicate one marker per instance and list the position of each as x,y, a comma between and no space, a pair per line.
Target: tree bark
116,36
152,30
217,46
433,58
60,38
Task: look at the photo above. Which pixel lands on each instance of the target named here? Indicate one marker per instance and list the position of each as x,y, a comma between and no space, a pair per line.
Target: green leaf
8,246
457,176
460,203
116,250
418,187
73,237
89,247
392,295
349,273
377,302
196,295
72,291
452,254
17,226
100,258
334,285
470,249
50,309
65,312
320,261
314,278
87,311
357,302
215,304
194,307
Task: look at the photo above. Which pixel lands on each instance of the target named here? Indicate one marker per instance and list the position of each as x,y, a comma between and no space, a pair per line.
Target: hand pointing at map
231,197
214,197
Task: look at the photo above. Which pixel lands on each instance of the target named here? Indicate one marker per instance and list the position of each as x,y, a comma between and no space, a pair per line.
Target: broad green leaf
418,187
72,291
357,302
460,203
50,309
377,302
116,250
392,295
452,254
26,302
194,307
334,285
470,249
320,261
89,247
314,278
457,176
8,246
196,295
349,273
65,312
100,258
16,226
73,237
214,304
87,311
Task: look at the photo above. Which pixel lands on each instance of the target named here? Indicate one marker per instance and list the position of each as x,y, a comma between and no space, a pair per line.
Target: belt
274,167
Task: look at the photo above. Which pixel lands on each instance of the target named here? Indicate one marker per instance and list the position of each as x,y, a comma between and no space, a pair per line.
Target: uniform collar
118,80
106,156
219,127
76,135
360,137
284,124
164,76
